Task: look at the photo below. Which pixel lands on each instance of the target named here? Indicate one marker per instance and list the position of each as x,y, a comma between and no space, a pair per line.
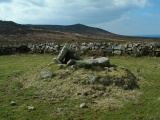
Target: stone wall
13,49
109,49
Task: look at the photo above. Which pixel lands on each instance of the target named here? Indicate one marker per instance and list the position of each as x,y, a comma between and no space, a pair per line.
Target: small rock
56,61
92,77
94,96
83,105
94,57
71,62
30,108
107,69
122,67
46,74
73,67
13,103
52,63
112,68
67,72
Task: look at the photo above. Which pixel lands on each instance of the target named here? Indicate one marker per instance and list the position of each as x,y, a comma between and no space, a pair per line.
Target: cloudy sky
127,17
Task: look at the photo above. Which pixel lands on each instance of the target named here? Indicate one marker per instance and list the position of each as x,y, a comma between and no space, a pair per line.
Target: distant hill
12,28
77,28
11,31
151,36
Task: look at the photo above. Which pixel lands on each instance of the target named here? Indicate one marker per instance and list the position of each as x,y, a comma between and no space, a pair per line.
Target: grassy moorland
13,33
17,71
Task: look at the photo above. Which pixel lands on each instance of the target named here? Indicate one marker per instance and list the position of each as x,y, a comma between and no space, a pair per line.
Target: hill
13,32
12,28
151,36
77,28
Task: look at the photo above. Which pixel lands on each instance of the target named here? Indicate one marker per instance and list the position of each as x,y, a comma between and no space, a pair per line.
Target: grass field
146,107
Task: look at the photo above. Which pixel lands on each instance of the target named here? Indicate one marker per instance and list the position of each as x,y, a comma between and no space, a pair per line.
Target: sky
125,17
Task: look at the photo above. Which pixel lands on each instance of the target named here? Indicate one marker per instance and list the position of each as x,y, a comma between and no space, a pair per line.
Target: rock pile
71,57
126,79
93,79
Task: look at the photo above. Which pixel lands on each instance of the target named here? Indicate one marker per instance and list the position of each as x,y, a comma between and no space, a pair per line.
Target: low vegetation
23,95
12,32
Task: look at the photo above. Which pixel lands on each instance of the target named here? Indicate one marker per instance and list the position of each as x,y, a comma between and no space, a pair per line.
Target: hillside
13,32
77,28
12,28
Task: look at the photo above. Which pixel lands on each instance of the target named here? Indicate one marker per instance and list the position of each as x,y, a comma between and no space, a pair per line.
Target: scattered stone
67,72
94,57
122,67
56,61
83,105
46,74
52,63
112,68
30,108
94,96
73,67
92,79
71,62
106,69
13,103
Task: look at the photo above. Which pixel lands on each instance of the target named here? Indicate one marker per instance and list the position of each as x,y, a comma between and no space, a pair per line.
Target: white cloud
67,11
136,3
2,1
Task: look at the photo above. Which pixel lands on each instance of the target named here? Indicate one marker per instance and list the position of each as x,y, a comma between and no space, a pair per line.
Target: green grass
11,67
147,107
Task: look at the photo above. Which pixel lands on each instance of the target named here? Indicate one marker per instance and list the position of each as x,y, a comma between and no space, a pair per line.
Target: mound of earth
102,87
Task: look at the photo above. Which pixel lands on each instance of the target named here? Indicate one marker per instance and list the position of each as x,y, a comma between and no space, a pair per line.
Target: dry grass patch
103,88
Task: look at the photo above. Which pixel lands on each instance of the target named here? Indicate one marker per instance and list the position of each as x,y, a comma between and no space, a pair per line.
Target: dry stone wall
13,49
109,49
